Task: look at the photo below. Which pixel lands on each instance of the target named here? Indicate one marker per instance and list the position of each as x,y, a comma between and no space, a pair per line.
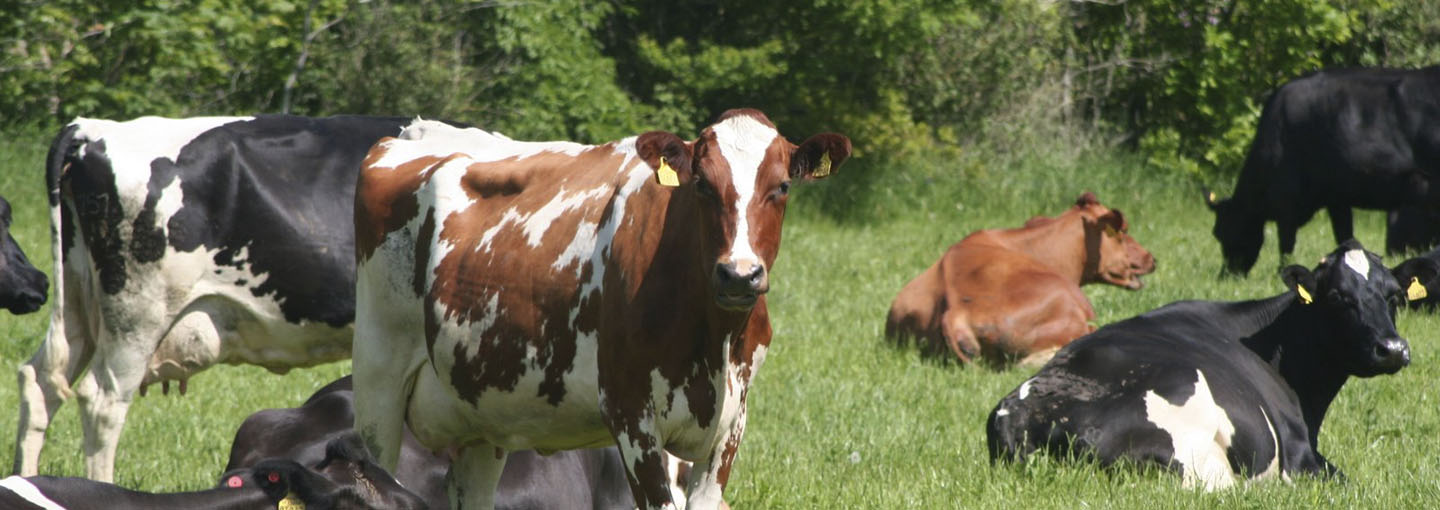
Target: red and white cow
552,295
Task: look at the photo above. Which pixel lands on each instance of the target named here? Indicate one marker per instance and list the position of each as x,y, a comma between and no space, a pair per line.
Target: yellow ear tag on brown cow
666,176
823,168
291,502
1304,294
1415,291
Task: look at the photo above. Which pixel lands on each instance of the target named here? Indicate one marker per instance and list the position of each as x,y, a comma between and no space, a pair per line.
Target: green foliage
1194,72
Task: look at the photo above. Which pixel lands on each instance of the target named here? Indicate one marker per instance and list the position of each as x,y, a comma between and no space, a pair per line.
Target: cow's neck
1291,344
689,292
1058,243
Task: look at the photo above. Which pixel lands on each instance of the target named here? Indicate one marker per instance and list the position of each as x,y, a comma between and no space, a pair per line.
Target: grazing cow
1015,294
1338,139
591,478
22,287
181,243
345,479
555,296
1215,390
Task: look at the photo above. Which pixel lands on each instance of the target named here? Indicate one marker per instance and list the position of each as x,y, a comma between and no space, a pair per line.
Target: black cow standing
1215,390
1367,138
570,479
22,287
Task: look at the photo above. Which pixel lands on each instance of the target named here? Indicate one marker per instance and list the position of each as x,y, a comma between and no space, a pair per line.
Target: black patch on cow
280,188
96,201
147,242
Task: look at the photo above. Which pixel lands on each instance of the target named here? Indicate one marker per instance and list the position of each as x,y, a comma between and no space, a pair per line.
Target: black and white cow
344,479
22,287
1334,140
575,479
182,243
1210,389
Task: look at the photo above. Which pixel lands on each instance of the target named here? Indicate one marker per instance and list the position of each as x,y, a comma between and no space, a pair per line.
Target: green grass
838,418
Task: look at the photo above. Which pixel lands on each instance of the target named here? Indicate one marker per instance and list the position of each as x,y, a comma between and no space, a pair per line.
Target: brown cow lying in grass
1015,294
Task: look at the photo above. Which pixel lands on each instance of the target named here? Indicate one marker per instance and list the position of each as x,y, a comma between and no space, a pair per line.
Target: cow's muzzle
739,284
1390,355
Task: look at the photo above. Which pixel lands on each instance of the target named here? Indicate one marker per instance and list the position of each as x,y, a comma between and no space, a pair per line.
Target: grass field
839,419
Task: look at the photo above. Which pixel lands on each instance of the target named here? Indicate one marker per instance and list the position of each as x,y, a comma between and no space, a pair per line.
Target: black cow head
1357,297
1424,272
1239,233
22,287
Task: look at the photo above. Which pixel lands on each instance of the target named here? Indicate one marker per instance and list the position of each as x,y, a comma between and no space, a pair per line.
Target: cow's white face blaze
738,168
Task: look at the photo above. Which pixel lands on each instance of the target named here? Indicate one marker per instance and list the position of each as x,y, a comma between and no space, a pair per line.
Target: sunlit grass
838,418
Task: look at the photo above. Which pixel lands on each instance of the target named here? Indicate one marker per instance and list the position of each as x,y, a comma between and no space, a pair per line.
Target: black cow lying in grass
1211,389
572,479
345,479
1423,288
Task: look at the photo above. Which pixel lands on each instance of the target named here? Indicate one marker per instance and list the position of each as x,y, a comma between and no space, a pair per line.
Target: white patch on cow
743,141
1002,412
1358,262
31,494
428,138
1274,466
1025,388
133,145
1200,433
540,220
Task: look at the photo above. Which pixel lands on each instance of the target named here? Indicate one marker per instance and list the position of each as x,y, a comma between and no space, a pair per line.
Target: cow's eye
784,189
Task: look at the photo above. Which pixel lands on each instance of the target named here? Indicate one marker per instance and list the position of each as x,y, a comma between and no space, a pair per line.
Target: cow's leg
385,378
1286,231
473,477
641,450
45,382
959,337
105,394
708,478
1342,222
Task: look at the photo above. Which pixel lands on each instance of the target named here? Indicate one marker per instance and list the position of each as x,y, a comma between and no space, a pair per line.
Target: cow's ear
1211,200
1418,277
668,155
1300,280
819,156
1114,222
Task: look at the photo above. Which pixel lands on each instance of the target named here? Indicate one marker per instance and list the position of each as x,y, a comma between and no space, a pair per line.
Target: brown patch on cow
533,301
385,199
1003,295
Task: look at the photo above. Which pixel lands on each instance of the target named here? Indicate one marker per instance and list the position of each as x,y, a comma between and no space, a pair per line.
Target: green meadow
839,418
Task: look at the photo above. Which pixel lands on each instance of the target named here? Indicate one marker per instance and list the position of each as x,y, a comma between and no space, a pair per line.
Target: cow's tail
55,351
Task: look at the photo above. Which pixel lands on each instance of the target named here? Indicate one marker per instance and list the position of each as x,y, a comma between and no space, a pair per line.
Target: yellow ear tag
822,169
1212,197
291,503
666,176
1304,294
1415,291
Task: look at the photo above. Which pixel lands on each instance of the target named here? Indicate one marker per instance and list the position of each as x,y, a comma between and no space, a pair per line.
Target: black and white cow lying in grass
1215,390
345,479
592,479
